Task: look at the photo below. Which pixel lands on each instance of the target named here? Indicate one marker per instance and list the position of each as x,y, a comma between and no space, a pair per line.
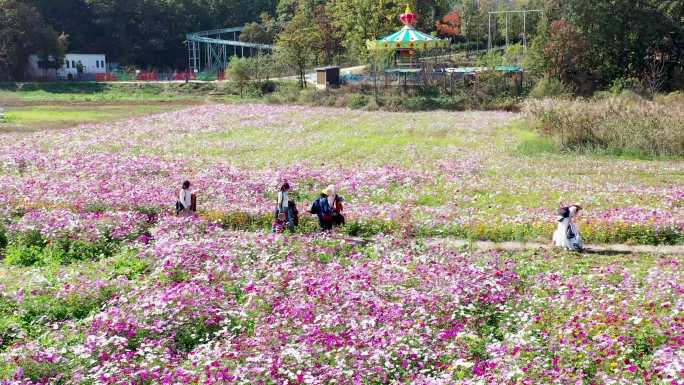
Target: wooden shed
328,77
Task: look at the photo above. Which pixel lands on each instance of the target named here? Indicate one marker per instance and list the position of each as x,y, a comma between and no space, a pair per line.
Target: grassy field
111,92
31,107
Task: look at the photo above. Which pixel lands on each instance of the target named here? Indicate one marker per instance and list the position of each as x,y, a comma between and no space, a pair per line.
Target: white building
74,66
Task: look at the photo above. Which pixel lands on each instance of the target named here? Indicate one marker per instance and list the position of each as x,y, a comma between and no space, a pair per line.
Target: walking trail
588,249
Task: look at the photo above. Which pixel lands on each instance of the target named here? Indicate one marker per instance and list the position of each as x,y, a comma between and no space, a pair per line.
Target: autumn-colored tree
566,51
450,25
329,33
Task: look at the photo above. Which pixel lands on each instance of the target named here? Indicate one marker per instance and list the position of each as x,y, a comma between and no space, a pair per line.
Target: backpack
326,210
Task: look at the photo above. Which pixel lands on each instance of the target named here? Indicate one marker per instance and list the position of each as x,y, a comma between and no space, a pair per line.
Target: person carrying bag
285,211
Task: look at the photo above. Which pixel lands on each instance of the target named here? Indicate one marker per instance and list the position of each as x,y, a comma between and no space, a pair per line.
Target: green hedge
31,248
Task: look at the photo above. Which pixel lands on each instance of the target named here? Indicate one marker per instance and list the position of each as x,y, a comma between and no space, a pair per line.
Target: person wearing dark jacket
328,207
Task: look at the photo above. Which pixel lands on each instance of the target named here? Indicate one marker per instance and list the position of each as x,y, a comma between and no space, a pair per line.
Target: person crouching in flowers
285,212
567,235
328,207
186,203
337,206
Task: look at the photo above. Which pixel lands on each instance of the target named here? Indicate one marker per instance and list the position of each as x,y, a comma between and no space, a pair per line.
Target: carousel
408,45
408,42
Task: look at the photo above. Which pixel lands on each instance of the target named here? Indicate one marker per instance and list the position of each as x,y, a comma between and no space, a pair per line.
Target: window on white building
97,63
73,64
66,62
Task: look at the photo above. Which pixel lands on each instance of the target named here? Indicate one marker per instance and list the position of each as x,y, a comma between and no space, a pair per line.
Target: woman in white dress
567,235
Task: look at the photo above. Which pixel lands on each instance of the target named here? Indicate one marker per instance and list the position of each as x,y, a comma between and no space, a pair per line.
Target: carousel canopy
408,37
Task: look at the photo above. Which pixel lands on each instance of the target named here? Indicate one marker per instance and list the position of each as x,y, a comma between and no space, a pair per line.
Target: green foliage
357,101
45,309
551,88
144,33
295,45
128,263
620,85
31,248
623,35
25,249
10,325
239,71
491,59
646,340
24,32
514,55
536,145
261,33
370,227
361,20
193,334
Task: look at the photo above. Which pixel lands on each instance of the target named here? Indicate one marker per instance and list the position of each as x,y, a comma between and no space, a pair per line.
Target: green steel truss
210,50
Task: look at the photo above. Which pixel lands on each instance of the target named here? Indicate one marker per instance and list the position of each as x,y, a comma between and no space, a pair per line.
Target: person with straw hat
328,208
335,201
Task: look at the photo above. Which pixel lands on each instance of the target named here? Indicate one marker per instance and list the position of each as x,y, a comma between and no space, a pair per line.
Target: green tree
239,71
296,44
623,34
24,32
263,32
361,20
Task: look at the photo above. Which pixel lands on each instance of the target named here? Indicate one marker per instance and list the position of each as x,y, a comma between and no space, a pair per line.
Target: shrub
31,248
621,125
357,101
372,104
627,84
25,249
193,334
65,251
370,228
268,87
129,264
551,88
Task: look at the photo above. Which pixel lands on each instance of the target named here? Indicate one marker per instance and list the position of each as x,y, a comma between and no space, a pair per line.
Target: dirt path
589,249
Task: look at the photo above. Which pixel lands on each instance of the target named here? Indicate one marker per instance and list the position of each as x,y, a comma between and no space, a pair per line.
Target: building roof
86,53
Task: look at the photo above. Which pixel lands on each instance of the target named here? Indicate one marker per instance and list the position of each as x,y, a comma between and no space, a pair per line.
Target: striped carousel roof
408,38
408,34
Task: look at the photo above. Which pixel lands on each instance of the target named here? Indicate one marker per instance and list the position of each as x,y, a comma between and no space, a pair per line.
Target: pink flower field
103,285
442,173
218,307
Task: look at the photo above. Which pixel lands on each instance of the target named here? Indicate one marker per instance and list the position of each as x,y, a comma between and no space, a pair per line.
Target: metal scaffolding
209,50
506,13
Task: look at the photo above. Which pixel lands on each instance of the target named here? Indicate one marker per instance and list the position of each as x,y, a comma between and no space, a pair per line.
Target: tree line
144,33
588,41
